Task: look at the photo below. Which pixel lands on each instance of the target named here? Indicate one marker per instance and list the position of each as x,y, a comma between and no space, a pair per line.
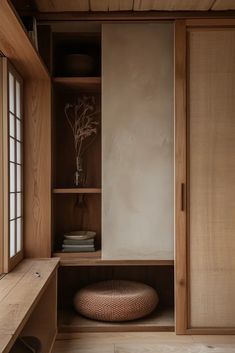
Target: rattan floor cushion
116,300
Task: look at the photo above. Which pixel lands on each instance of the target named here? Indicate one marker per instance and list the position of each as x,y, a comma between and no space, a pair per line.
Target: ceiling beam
130,16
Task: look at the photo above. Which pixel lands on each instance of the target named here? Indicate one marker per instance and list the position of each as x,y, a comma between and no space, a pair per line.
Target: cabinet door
210,180
212,177
137,135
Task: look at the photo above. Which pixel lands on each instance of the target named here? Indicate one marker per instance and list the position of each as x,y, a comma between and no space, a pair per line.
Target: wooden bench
28,304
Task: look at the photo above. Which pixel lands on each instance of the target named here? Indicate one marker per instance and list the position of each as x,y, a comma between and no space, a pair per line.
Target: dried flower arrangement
81,119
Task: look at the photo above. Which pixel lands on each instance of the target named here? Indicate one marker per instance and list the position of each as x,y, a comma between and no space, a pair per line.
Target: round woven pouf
116,300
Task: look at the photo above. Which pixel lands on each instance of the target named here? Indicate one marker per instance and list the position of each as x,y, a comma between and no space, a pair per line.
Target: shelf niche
75,208
76,43
76,212
161,278
64,153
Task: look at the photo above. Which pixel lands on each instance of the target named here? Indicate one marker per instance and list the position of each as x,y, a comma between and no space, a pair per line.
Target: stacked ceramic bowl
79,241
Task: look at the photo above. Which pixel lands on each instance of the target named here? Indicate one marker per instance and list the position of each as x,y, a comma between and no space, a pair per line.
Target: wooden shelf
77,191
160,320
87,83
94,259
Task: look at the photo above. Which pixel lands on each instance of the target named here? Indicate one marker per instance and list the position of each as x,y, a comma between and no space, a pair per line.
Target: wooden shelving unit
161,320
77,191
75,208
95,259
80,209
86,83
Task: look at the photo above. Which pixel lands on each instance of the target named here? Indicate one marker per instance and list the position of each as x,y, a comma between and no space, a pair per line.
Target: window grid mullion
15,168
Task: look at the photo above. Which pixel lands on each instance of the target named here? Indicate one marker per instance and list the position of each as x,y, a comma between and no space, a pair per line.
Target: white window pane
18,129
19,234
12,150
11,93
12,206
18,206
18,152
18,112
12,177
12,125
18,178
12,238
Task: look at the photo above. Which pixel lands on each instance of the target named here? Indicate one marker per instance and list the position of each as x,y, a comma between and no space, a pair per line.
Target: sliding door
211,149
138,135
205,230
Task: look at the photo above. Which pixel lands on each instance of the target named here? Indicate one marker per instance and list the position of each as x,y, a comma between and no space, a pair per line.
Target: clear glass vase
79,175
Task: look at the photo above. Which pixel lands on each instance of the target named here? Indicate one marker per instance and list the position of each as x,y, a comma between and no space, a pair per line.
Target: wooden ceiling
133,5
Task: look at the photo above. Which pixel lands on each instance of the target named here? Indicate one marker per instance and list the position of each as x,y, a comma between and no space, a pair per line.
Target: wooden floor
144,342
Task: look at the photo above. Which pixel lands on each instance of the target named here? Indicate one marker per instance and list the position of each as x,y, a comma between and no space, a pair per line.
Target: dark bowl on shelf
79,65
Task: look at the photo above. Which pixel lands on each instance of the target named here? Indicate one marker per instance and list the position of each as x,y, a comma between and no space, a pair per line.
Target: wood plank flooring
143,342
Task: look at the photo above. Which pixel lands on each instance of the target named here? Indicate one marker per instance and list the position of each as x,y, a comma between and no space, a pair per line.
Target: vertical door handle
183,197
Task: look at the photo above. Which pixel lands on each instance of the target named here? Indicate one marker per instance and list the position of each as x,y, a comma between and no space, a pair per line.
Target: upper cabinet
138,141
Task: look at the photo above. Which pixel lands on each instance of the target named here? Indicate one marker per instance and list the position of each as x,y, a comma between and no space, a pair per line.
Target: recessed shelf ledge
77,191
95,259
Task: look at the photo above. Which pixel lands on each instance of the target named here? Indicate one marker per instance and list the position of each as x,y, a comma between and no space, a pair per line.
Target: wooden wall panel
223,5
127,5
37,168
61,5
121,5
138,142
172,5
212,177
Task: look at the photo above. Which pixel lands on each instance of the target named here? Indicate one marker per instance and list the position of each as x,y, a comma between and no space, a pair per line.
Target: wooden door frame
1,170
182,294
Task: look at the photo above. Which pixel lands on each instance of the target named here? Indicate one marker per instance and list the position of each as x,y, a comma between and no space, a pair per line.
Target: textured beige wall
138,135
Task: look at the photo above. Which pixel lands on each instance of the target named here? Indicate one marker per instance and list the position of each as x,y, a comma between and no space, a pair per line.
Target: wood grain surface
16,45
37,168
212,178
20,292
161,320
143,342
180,179
130,5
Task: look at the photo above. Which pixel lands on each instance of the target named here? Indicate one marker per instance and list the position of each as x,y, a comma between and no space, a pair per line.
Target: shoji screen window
13,165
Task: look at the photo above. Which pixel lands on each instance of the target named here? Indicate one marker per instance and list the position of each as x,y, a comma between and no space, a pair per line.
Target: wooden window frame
1,167
7,263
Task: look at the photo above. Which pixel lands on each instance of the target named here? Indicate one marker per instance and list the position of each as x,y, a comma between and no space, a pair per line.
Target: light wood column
37,168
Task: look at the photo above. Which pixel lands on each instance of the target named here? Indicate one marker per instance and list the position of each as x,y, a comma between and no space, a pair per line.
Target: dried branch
80,117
